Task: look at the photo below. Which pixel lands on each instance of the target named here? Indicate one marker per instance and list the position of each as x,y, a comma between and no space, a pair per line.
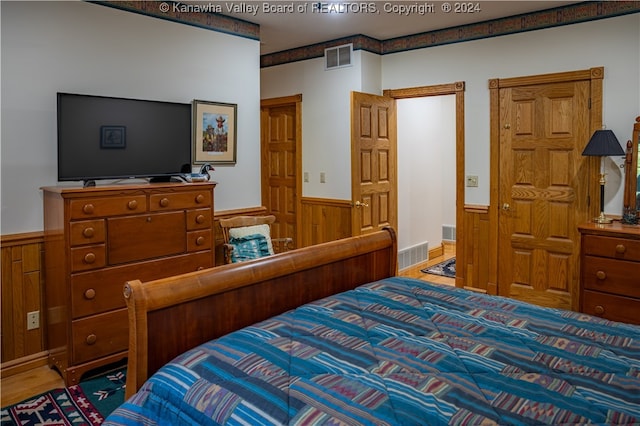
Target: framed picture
113,137
214,132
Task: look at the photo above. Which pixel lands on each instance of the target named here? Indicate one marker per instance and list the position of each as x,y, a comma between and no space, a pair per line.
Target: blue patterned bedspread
403,352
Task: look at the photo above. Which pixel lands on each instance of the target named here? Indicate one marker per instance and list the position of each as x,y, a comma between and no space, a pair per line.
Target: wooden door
543,190
280,158
373,163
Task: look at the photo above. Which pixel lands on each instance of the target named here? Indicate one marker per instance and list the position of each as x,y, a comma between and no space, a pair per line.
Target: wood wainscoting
324,220
22,292
473,271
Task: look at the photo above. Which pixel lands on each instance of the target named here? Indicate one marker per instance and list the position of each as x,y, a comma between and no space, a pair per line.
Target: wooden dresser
98,238
610,271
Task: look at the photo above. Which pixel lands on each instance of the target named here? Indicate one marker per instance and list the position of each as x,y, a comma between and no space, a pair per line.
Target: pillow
251,230
248,247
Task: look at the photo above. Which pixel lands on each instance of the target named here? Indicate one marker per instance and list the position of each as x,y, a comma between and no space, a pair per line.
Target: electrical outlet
33,320
323,177
306,176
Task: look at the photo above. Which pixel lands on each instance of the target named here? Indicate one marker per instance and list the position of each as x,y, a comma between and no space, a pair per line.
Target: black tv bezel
151,177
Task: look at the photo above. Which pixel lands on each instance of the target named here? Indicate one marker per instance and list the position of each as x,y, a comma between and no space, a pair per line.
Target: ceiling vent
338,57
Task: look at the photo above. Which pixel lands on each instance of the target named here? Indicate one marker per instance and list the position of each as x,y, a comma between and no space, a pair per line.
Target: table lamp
603,143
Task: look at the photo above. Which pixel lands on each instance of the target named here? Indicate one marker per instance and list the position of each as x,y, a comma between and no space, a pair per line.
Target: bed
329,335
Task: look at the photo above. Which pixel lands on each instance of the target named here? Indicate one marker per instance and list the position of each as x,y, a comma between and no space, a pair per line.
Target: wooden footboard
171,315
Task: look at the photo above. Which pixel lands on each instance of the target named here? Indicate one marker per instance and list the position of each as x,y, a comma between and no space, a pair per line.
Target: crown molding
201,16
213,20
559,16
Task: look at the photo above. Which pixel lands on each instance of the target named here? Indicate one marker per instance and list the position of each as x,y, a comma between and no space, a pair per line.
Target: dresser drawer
88,257
612,247
87,232
99,207
179,200
199,240
199,219
611,276
146,236
612,307
100,335
100,291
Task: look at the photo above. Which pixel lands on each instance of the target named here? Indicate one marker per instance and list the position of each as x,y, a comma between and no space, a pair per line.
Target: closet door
543,190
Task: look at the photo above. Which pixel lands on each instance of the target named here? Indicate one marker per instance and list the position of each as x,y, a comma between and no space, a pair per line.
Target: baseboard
437,251
25,363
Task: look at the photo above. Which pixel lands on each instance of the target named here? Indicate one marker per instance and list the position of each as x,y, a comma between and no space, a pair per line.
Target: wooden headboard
171,315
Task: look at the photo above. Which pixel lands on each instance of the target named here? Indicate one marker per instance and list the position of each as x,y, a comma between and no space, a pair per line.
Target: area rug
446,268
87,403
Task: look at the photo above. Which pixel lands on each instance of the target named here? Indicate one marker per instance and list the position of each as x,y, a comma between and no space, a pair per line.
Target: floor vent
338,56
449,232
413,255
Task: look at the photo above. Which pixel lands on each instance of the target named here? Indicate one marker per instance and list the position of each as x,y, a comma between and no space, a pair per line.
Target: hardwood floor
415,270
19,387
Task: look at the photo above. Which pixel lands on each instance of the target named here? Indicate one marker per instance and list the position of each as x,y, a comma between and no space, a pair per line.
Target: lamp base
602,219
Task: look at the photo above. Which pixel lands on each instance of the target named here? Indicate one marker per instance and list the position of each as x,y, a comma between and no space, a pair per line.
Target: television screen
113,138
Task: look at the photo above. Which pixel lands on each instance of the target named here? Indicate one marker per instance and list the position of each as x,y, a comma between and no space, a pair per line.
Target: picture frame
214,132
113,137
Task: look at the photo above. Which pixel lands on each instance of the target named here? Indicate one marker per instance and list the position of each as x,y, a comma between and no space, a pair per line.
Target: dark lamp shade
603,143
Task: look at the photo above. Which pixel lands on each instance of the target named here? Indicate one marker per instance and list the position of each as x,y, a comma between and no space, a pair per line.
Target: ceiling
290,24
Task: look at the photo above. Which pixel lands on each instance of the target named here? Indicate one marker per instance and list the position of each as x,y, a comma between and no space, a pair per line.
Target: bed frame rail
171,315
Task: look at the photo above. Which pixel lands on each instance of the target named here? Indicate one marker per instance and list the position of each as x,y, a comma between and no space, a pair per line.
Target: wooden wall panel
474,273
22,286
324,220
22,291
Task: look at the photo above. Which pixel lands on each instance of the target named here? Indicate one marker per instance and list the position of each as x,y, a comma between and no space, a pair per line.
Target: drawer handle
91,339
132,205
199,198
200,241
621,249
88,208
200,218
164,202
89,232
599,309
89,258
601,275
90,294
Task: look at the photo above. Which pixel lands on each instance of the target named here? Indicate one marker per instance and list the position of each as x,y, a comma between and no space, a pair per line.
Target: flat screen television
103,137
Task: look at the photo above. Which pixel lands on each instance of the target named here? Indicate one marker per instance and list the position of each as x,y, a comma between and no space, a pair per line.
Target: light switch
322,177
306,176
472,181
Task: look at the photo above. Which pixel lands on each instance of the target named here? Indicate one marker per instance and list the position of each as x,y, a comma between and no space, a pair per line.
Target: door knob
359,204
506,206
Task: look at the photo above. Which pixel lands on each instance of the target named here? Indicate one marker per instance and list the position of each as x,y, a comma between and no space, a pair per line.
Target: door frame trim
456,89
596,76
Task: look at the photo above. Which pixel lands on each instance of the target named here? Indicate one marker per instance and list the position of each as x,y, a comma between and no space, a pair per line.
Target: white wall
612,43
326,119
80,47
371,71
426,169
